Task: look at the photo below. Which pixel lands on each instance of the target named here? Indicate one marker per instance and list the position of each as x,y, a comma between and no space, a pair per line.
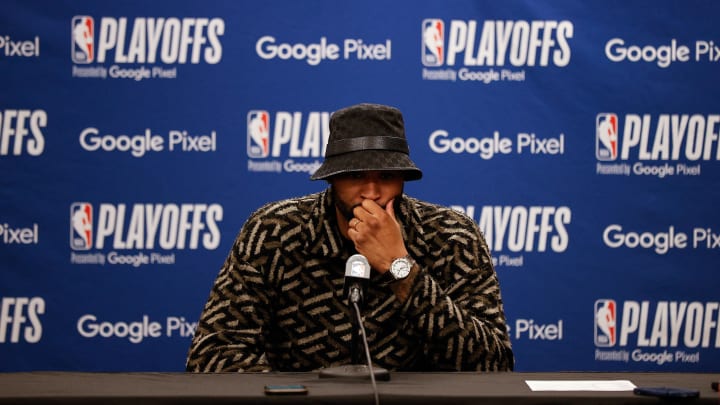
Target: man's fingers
390,209
372,207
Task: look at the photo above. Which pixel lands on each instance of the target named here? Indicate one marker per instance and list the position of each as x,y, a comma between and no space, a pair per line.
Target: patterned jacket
277,303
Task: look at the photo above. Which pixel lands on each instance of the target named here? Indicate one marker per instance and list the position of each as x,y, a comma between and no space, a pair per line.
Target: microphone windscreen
357,266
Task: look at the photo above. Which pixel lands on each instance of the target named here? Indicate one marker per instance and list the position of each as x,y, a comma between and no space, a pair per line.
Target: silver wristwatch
400,267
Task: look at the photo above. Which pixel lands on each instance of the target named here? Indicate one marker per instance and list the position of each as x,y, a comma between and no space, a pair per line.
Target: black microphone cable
367,349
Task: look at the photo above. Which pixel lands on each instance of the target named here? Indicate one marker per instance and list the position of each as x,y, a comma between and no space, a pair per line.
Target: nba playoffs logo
605,322
81,215
258,134
83,47
606,136
433,40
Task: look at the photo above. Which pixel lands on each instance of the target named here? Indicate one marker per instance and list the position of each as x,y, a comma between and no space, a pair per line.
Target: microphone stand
355,298
355,370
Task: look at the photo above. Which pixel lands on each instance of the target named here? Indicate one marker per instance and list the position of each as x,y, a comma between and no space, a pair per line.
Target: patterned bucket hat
367,137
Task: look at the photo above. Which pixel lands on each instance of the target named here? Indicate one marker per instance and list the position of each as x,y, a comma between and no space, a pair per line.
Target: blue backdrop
136,138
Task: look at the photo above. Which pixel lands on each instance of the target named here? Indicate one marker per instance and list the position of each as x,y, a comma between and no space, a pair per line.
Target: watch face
400,268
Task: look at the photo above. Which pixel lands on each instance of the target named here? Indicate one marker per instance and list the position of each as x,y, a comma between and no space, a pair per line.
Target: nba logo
606,136
83,47
433,40
605,322
357,269
81,216
258,134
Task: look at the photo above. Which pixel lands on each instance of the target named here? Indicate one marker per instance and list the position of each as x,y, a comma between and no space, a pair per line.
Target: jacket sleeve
231,332
455,302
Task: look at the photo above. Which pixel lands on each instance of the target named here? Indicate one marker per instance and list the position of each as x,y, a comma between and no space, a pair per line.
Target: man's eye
389,176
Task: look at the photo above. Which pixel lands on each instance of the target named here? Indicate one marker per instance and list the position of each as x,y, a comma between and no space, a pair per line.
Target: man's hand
376,234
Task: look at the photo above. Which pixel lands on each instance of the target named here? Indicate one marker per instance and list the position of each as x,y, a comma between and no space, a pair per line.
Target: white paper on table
568,385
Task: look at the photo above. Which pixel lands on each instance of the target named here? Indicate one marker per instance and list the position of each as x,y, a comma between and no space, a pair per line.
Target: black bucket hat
367,137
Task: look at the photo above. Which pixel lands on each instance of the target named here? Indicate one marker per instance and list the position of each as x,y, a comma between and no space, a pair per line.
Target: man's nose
370,190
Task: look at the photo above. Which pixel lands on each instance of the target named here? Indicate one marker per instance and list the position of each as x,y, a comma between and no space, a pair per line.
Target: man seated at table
433,301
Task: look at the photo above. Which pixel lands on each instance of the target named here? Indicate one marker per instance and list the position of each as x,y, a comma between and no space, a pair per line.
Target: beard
345,209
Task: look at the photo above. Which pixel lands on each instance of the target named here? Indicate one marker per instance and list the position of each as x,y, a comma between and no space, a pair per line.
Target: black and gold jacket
277,303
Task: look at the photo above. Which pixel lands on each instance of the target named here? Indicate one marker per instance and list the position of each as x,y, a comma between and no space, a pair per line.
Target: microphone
357,275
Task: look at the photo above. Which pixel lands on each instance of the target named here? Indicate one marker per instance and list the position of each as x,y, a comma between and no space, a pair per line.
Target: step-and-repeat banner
583,137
